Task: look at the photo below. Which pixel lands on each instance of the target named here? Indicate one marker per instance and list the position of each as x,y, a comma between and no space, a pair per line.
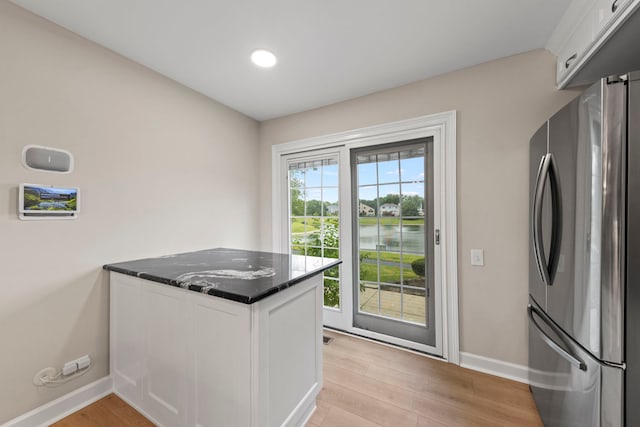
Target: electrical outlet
69,368
83,362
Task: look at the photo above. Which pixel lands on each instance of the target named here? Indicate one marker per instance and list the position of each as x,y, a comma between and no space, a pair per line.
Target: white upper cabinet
583,31
574,49
603,13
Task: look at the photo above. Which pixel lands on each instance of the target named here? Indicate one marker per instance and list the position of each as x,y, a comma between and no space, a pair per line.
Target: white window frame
443,127
285,238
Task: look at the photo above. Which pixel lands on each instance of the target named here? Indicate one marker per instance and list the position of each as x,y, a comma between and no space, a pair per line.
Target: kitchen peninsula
218,337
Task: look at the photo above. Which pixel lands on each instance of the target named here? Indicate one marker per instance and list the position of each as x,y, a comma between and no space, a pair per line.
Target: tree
297,203
390,198
314,208
411,205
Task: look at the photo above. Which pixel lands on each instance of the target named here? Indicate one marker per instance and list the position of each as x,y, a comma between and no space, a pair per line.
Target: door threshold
379,338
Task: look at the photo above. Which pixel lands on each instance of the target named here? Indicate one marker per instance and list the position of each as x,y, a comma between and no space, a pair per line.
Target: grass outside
388,274
312,224
391,256
298,227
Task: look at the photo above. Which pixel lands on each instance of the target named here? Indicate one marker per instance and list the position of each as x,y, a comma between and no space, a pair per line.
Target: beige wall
500,104
161,170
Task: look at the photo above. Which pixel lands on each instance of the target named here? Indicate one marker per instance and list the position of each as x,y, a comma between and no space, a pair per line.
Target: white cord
54,381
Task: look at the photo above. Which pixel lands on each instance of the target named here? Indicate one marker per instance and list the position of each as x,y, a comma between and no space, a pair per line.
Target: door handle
574,360
547,270
556,221
538,193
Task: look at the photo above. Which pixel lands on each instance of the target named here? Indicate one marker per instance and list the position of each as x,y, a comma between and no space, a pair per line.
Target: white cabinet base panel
186,359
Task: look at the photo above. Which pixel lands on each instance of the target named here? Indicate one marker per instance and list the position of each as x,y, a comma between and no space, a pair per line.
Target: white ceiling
328,50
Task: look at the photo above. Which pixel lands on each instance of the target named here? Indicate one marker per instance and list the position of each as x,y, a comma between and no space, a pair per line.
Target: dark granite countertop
238,275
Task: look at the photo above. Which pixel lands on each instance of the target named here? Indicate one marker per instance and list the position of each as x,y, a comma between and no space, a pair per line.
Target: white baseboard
55,410
495,367
305,408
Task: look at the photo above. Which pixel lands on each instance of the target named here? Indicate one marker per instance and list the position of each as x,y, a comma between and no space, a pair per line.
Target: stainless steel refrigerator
584,268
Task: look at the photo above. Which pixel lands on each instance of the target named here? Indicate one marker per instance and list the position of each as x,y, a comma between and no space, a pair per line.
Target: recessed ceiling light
263,58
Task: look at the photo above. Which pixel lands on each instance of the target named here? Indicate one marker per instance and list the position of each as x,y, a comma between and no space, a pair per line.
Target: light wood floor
110,411
369,384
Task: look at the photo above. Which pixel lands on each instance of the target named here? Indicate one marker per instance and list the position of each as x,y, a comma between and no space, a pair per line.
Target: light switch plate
477,257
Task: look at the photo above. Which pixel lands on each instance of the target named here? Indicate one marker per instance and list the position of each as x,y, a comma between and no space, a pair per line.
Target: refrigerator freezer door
570,388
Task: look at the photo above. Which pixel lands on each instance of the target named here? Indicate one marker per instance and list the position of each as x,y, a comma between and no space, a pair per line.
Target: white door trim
443,124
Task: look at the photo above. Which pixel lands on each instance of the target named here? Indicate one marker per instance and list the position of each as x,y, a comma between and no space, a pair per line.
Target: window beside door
314,222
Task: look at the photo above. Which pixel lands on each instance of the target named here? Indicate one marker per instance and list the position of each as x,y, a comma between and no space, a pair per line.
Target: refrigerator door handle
546,169
556,221
574,360
538,193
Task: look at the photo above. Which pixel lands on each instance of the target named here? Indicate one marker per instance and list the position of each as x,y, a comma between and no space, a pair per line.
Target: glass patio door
393,235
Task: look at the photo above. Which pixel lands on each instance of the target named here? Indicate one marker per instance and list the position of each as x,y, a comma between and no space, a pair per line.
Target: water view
392,237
